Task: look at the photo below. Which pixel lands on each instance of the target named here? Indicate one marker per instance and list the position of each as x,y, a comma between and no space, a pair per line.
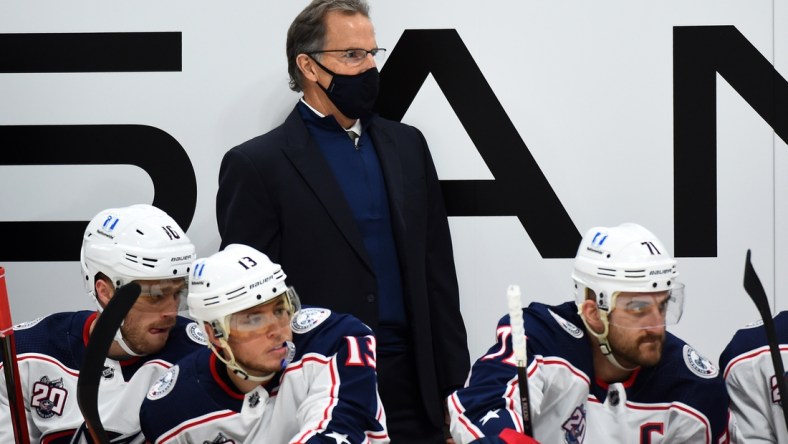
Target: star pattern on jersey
338,437
492,414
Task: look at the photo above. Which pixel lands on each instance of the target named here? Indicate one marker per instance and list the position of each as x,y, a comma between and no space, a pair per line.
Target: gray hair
307,33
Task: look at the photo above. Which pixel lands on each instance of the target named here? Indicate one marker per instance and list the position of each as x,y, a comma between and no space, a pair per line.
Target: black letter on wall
153,150
699,52
520,188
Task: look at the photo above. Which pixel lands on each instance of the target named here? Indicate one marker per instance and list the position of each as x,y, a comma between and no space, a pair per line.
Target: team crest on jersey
48,397
309,318
164,385
27,324
575,426
567,326
220,439
698,364
196,333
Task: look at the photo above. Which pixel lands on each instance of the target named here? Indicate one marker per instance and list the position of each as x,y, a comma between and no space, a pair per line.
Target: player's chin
650,353
156,341
276,354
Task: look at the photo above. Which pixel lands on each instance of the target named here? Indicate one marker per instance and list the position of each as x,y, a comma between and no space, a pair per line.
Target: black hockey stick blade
96,353
752,284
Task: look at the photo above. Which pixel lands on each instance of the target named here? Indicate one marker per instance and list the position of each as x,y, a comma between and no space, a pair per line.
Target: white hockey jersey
50,351
680,400
752,386
328,393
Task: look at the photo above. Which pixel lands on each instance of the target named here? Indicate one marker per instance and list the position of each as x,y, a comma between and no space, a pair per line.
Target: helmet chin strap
243,373
604,344
118,334
119,339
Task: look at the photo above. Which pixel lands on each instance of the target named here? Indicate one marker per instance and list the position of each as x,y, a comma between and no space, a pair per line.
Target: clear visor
647,310
256,321
165,296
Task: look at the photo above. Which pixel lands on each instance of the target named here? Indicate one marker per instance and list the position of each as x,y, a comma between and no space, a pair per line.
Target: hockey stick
754,288
518,344
96,353
13,382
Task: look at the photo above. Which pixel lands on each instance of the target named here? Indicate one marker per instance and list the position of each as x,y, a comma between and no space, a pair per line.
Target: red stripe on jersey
189,425
751,355
676,406
219,381
86,328
514,404
57,435
334,389
468,426
45,358
561,362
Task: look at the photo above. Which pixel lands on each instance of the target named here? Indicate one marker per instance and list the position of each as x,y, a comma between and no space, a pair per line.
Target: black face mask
353,95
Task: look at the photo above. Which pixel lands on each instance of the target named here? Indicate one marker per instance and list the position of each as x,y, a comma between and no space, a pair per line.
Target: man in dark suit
350,204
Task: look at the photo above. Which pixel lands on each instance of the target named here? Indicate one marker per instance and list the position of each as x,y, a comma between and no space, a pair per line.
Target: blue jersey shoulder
557,331
59,335
754,336
186,337
188,390
320,330
685,375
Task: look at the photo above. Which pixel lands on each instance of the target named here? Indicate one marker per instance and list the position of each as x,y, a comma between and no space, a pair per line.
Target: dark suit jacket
278,194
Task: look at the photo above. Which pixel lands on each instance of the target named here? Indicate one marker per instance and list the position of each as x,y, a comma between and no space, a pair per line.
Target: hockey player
139,243
275,372
601,369
752,385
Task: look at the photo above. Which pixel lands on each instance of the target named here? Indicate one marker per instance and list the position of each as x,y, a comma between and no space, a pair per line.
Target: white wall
588,85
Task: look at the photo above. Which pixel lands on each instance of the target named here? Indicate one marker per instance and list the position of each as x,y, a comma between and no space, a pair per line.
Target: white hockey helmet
235,279
139,242
626,258
231,281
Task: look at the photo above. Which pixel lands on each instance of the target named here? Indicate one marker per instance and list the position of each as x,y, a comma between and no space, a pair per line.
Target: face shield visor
163,296
255,322
645,310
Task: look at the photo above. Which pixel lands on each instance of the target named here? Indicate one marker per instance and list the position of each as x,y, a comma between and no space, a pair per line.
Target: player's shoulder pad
308,319
163,386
